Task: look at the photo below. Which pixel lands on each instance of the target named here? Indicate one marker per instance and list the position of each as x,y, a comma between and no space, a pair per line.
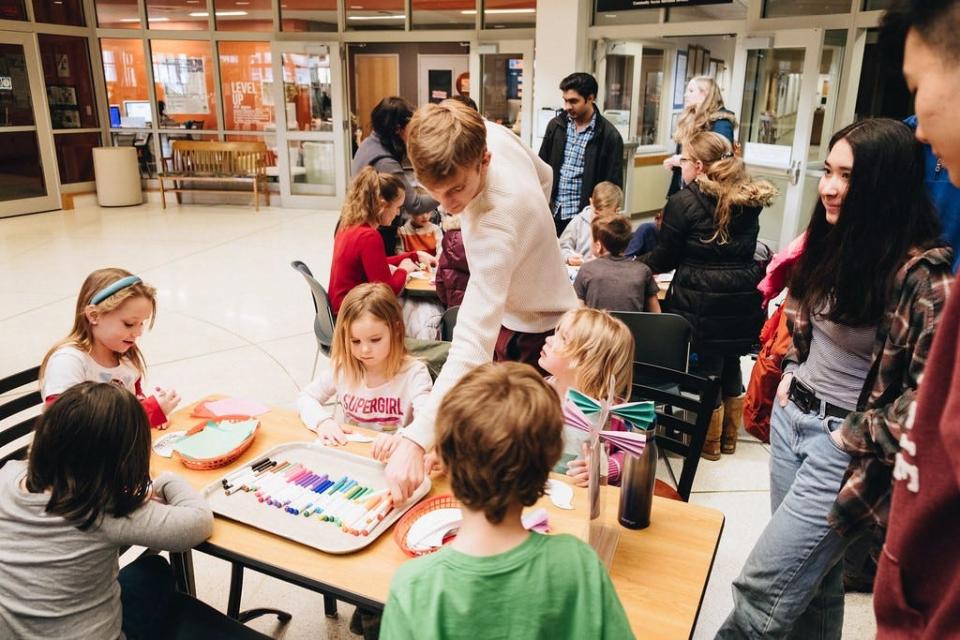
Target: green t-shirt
551,586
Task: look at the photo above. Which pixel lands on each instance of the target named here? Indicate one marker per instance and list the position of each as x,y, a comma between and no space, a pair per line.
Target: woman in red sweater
373,199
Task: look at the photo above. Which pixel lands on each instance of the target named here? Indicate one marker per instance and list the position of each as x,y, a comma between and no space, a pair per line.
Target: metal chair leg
233,601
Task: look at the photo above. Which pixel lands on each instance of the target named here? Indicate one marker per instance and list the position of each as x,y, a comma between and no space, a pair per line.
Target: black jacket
603,159
715,285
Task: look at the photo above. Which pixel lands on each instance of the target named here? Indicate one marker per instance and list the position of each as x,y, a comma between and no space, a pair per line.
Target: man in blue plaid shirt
582,147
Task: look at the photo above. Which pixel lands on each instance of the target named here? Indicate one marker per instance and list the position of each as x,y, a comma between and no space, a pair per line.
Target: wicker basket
446,501
221,460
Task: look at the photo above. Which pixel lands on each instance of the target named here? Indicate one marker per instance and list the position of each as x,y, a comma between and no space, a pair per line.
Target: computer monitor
114,116
138,109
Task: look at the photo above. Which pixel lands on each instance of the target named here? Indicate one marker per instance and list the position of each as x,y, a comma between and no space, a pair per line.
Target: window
59,12
307,91
246,15
504,14
735,10
790,8
125,72
75,155
651,86
308,15
177,15
246,79
183,81
12,10
388,15
502,88
119,14
66,74
430,14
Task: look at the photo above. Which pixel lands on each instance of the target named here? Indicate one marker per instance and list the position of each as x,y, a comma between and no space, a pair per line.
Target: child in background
612,281
359,256
111,310
499,432
372,377
65,514
419,234
588,348
576,243
453,272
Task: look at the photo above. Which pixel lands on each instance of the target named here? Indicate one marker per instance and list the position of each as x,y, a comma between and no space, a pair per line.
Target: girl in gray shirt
85,493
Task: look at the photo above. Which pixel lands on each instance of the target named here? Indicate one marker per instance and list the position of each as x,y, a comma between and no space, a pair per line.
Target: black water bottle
637,482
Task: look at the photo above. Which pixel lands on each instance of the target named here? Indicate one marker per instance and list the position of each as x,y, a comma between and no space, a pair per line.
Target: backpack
765,377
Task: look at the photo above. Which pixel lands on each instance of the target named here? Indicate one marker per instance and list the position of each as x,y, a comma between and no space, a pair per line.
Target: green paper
216,439
640,414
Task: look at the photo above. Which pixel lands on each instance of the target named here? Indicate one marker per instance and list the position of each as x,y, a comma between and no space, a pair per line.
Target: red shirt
358,257
917,589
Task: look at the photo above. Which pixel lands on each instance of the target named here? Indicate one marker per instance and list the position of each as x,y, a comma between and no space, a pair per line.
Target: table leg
236,590
329,606
182,564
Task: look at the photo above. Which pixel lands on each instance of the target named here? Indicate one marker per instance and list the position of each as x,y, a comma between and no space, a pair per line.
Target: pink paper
237,407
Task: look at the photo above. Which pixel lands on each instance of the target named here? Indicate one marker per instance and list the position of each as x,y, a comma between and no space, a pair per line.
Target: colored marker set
298,490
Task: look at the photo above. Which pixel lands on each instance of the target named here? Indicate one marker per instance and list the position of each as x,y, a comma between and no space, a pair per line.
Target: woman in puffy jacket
709,235
452,270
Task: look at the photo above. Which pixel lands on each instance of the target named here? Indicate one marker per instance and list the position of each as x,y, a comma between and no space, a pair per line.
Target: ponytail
363,202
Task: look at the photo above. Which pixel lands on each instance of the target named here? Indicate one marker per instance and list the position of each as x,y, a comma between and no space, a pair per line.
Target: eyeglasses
682,159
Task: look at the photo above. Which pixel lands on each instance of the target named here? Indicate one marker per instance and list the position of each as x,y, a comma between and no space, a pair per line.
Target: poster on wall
249,110
679,79
184,85
439,84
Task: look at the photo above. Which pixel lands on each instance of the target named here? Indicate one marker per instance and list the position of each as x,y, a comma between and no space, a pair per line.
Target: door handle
794,173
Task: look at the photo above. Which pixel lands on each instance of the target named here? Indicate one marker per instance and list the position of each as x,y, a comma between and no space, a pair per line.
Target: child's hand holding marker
329,432
168,401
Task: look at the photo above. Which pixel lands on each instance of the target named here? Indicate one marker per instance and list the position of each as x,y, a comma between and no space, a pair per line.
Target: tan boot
732,421
711,446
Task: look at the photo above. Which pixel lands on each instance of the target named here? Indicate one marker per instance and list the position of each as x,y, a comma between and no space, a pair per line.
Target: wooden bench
212,161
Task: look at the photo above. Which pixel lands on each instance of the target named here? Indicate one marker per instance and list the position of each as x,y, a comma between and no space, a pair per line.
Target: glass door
28,168
309,144
505,87
776,120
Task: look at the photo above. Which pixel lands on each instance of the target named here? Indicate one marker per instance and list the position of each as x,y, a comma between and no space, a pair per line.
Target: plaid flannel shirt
871,434
571,172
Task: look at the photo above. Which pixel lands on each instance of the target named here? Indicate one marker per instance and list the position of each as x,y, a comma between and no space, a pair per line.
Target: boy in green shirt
499,432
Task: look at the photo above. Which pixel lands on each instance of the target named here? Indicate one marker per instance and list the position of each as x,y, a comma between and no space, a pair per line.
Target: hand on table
404,471
407,265
329,432
383,446
578,469
427,259
432,462
783,389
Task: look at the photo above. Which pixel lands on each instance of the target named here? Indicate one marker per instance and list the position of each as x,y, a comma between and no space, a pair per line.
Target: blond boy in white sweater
518,285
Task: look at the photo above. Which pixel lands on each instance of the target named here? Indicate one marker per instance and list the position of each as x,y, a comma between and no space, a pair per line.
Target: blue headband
108,291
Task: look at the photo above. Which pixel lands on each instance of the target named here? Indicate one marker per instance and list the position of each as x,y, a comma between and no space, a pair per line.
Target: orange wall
161,49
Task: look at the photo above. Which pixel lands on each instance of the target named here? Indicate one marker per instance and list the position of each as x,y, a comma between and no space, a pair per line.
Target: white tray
243,506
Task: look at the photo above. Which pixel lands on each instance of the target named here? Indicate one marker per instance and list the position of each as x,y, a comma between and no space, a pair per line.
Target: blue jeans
792,583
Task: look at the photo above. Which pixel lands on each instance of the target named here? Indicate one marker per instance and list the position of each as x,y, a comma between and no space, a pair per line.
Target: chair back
18,416
447,322
681,432
323,322
661,339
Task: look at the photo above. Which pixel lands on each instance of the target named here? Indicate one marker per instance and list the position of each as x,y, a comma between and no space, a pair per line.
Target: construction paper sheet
639,414
216,439
236,407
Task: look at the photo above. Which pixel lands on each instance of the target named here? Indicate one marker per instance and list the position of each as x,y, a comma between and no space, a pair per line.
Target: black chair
323,322
19,415
661,339
681,433
447,322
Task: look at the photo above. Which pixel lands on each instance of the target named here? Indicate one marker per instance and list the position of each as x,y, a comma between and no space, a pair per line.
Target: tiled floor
234,317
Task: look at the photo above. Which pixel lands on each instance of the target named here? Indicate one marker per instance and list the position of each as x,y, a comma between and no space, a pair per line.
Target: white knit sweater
517,278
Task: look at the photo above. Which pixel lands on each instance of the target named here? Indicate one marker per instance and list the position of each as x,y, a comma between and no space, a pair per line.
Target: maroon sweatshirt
917,590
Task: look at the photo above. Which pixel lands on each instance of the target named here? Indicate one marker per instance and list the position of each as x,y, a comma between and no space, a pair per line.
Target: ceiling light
129,19
376,17
219,14
152,20
472,12
241,4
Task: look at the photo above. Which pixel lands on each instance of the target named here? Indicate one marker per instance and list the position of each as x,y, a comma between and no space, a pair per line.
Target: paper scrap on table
561,494
236,407
215,439
165,443
419,275
537,520
431,528
358,437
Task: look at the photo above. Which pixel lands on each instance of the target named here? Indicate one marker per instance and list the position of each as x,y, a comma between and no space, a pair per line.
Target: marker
242,470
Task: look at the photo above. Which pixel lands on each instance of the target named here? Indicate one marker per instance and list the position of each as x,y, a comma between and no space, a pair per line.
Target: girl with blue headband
111,311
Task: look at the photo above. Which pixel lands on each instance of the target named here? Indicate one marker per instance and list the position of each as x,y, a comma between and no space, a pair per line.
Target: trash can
117,174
